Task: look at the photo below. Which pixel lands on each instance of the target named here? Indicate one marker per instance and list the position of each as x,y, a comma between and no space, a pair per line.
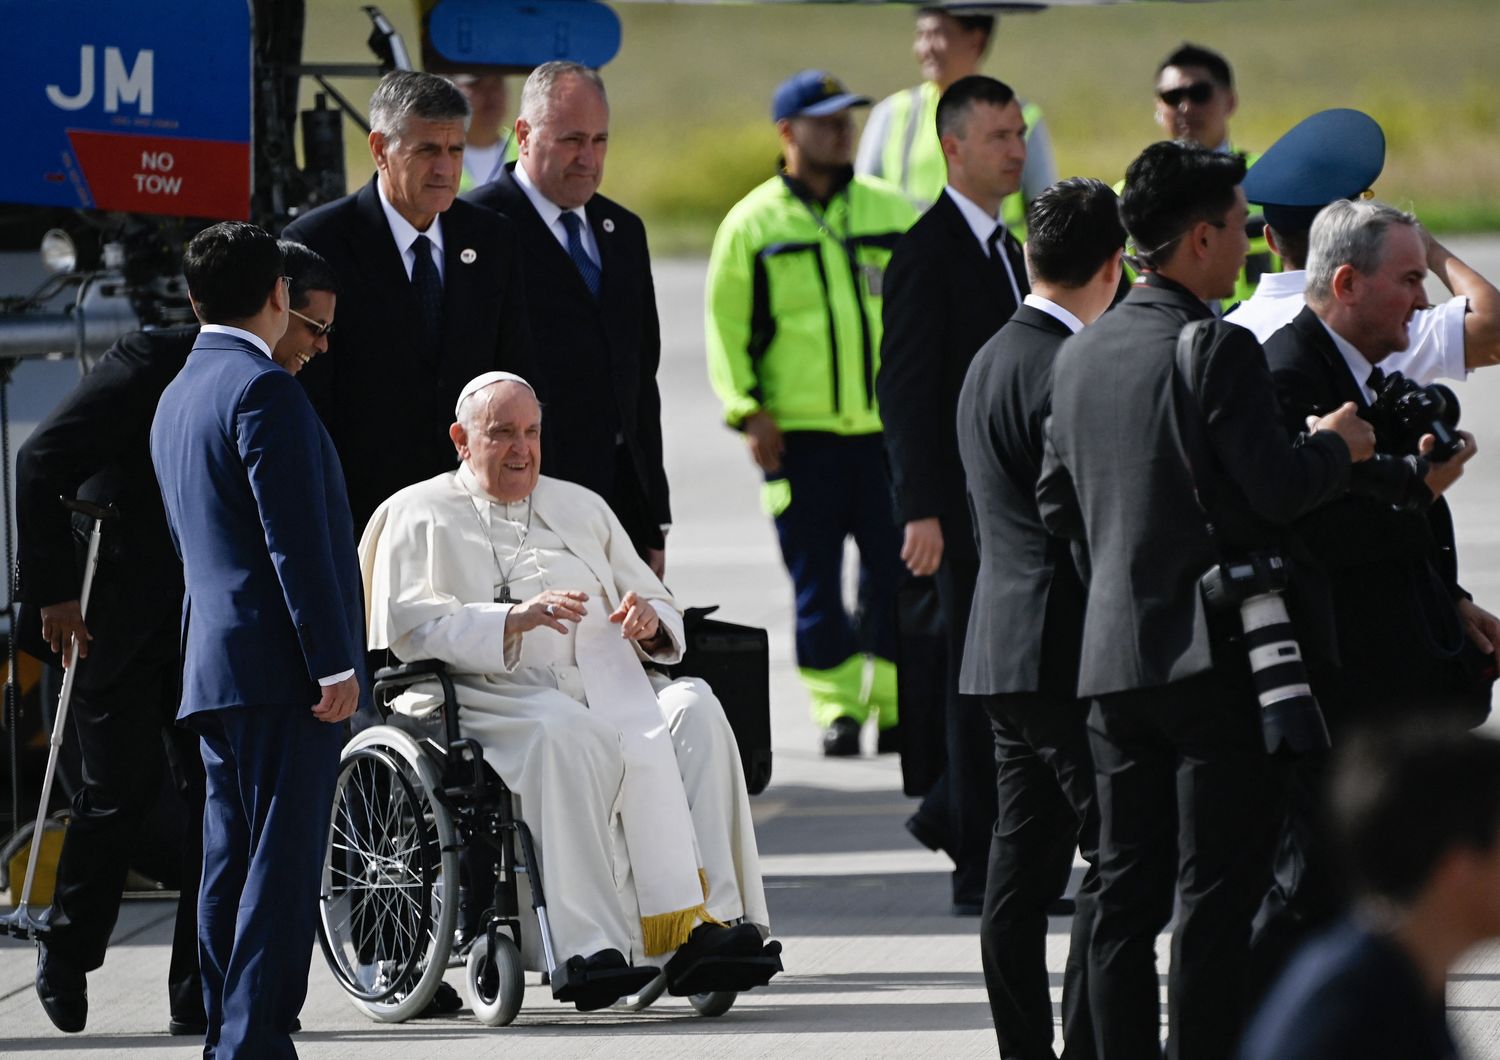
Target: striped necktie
586,267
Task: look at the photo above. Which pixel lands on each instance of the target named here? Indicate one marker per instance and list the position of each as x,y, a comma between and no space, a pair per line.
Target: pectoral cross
504,596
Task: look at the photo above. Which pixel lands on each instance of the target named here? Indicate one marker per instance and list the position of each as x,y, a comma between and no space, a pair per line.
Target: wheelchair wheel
642,1001
496,980
714,1004
389,899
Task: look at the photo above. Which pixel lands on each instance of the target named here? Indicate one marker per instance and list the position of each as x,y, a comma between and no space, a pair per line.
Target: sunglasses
1197,92
319,329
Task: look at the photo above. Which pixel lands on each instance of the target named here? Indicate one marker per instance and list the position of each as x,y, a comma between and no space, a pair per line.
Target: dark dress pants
1187,796
271,772
1044,780
961,805
126,738
840,489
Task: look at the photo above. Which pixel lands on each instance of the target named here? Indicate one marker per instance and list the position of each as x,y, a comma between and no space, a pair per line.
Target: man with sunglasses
93,446
1195,99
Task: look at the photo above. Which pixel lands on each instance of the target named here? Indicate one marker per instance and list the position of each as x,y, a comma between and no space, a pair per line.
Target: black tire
714,1004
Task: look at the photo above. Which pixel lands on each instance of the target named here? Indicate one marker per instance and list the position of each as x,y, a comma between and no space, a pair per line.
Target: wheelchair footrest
596,988
713,974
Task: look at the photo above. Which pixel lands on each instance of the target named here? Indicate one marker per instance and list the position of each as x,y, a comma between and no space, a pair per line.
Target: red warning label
164,174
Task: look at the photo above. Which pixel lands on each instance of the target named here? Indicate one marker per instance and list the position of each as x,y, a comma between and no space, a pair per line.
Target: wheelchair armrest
404,674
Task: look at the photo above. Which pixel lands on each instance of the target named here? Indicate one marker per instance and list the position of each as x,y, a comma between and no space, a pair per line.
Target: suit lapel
610,287
976,257
543,249
1317,338
375,251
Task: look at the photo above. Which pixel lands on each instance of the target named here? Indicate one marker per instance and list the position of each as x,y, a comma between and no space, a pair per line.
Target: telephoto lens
1290,718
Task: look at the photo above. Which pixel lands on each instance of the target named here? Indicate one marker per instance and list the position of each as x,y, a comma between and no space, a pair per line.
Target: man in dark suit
431,289
272,633
956,276
591,304
1404,626
1025,671
1187,793
95,446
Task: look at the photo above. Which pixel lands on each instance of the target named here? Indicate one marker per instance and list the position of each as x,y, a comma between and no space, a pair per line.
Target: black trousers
126,738
961,804
1044,780
1187,797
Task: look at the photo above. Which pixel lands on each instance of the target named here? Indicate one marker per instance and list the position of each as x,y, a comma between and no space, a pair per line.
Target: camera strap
1186,384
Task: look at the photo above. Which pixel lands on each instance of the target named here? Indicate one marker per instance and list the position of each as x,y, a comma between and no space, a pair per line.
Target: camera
1403,411
1290,717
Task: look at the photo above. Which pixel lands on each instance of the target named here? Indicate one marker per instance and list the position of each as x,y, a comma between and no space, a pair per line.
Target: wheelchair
412,797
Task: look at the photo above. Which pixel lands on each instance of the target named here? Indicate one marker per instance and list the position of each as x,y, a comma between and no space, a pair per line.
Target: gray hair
1348,232
536,94
405,94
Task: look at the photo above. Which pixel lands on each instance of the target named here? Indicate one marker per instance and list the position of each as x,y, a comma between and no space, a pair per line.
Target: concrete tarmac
875,964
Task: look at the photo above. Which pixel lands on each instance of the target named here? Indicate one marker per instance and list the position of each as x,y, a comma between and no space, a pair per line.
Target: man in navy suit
590,303
272,633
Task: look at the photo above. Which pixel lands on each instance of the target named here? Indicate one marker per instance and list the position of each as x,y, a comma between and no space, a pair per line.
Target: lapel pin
467,255
609,224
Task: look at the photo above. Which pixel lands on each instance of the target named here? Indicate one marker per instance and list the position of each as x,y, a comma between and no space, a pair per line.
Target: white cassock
435,557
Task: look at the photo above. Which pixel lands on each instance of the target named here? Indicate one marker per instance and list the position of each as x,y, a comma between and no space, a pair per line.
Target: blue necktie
586,267
429,288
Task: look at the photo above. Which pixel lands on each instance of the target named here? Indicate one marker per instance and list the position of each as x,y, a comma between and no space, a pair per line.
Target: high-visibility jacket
467,182
793,304
903,148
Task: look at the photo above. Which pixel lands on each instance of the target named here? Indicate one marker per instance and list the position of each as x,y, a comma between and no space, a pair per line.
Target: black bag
921,684
736,663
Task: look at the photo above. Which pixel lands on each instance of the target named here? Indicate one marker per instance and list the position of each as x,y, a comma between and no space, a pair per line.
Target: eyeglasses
1198,92
318,328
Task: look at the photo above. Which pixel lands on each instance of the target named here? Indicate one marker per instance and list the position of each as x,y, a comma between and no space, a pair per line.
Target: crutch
21,924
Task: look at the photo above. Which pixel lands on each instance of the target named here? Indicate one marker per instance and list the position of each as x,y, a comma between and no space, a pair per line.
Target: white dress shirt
551,215
1359,366
983,226
1055,311
405,234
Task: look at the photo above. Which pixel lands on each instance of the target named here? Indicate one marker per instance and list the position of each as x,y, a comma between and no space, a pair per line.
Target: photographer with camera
1409,639
1188,795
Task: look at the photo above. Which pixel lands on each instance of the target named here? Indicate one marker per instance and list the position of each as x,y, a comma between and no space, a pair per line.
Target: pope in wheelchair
628,782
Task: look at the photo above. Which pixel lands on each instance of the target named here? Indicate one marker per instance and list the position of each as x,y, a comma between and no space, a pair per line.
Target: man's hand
656,559
550,608
1443,473
1344,421
1482,627
63,623
766,443
339,700
922,547
638,619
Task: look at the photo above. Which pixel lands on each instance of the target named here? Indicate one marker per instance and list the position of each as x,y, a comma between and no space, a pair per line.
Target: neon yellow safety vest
793,304
512,152
912,156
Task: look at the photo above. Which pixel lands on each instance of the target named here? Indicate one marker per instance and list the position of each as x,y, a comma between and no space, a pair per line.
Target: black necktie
429,288
999,248
586,267
1375,381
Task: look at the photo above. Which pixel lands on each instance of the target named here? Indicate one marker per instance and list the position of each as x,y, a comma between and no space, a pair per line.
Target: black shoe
63,991
925,832
888,741
187,1026
721,958
446,1000
841,739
